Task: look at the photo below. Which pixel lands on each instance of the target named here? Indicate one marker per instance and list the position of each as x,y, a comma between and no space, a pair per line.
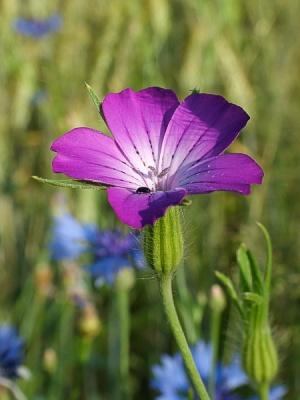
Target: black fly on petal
143,189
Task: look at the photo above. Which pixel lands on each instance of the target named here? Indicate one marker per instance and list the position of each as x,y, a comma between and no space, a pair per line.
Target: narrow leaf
256,274
245,269
268,269
93,95
69,183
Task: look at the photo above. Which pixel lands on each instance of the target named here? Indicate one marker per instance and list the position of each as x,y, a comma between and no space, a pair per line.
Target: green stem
123,311
170,310
215,336
119,345
264,391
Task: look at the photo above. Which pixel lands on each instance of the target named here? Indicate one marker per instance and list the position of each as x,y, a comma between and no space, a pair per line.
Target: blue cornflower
170,379
113,251
37,28
11,352
69,238
276,393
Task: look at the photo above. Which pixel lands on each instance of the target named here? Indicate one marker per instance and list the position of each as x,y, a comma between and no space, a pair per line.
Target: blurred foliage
246,51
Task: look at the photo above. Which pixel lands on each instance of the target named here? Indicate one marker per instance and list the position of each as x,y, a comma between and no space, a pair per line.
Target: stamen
153,178
163,172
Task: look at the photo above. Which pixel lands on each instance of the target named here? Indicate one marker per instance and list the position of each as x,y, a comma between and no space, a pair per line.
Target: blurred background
246,51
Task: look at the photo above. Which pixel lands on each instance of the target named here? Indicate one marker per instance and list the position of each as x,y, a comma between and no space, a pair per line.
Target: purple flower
161,151
113,242
113,251
37,28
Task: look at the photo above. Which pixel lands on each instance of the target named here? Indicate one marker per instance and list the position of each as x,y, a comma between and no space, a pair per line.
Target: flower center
154,179
157,178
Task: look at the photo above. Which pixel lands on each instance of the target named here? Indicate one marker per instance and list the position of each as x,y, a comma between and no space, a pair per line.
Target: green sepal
93,95
69,183
260,359
245,269
163,243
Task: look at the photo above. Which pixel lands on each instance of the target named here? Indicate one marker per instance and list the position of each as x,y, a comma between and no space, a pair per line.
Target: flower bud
260,356
90,324
163,242
125,279
44,281
218,300
50,360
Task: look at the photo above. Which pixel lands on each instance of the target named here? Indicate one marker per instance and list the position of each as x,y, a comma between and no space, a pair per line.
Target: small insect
195,90
143,189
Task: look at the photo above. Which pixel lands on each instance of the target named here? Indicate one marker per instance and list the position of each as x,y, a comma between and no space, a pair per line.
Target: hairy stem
170,310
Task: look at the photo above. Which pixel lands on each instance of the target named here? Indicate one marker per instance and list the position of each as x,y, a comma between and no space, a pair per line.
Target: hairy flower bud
163,242
260,356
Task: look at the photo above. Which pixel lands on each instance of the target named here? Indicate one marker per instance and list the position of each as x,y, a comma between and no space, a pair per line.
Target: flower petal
87,154
139,209
202,353
277,392
233,172
107,268
163,377
68,240
233,376
138,121
202,126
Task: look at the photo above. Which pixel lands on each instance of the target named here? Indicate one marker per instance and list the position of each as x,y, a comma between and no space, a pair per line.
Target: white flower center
155,180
